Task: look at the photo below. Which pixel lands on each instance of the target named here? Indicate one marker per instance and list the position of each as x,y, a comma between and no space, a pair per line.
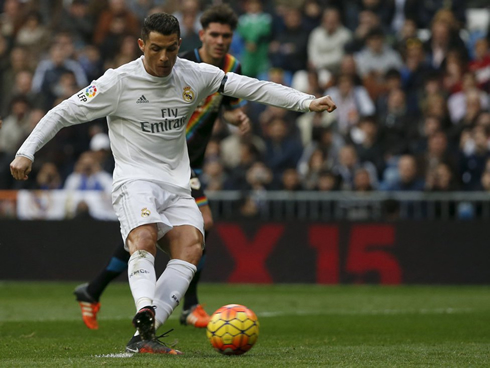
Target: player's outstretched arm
20,168
273,94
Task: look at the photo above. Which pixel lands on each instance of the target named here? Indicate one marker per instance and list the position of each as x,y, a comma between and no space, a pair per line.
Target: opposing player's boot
144,321
195,316
154,346
90,307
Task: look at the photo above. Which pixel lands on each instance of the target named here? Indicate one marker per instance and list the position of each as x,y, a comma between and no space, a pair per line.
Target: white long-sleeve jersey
147,116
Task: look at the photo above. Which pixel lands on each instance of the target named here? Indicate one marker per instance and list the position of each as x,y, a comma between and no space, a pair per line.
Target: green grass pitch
301,326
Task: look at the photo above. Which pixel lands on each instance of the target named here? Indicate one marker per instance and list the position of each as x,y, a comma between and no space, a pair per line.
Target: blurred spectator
328,181
443,39
290,181
312,14
368,146
368,20
326,140
310,122
101,148
213,177
33,34
281,150
48,177
91,62
472,164
19,60
362,181
88,175
254,27
116,9
457,101
414,73
77,20
441,179
348,165
15,126
326,42
437,152
128,51
288,50
408,179
384,10
397,125
427,128
258,177
111,43
189,13
189,34
49,72
11,19
249,154
426,11
310,172
405,35
480,66
472,110
374,60
352,103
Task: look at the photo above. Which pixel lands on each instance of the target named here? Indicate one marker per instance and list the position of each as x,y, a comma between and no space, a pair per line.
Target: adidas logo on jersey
142,99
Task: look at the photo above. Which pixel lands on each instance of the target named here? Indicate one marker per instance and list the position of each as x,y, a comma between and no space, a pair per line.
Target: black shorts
197,192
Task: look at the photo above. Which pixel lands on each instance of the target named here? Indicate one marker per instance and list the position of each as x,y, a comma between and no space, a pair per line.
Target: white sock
171,287
142,278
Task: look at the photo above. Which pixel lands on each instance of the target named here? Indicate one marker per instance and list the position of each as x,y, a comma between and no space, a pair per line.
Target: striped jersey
200,126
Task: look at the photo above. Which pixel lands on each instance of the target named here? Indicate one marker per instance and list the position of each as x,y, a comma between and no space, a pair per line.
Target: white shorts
143,202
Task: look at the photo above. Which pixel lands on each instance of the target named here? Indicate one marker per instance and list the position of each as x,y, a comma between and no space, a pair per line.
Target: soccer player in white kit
147,103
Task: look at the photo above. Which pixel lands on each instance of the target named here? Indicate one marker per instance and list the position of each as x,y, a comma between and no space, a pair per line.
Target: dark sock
116,266
190,298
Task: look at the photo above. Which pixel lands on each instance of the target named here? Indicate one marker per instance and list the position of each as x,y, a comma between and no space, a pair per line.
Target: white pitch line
120,355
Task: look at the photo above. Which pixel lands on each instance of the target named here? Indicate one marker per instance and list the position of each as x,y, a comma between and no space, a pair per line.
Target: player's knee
142,238
194,253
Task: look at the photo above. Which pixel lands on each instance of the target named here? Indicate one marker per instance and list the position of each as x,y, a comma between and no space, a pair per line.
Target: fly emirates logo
170,121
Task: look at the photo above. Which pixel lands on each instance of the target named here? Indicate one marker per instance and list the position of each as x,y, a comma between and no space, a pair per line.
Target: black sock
190,298
116,266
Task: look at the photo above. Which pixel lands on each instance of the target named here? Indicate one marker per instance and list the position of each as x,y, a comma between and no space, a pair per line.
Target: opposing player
218,23
151,192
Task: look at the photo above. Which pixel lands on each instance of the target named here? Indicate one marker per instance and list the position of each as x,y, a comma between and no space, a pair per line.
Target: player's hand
324,103
238,118
242,122
20,168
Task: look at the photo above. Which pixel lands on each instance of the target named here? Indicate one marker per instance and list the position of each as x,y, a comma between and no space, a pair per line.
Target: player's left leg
88,294
184,246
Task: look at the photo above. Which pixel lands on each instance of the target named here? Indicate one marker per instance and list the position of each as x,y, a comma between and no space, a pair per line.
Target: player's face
160,53
216,40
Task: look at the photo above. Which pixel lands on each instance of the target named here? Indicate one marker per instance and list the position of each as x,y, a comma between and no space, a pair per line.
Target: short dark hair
163,23
222,14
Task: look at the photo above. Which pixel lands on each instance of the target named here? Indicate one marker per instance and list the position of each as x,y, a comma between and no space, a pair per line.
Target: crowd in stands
411,80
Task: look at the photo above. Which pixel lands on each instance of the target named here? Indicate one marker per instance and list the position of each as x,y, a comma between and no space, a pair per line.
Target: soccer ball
233,329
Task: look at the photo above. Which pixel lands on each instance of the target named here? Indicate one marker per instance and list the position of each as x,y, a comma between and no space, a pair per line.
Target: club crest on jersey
145,212
188,94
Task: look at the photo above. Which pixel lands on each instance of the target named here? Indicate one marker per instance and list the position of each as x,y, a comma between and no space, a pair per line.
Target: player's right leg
137,206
